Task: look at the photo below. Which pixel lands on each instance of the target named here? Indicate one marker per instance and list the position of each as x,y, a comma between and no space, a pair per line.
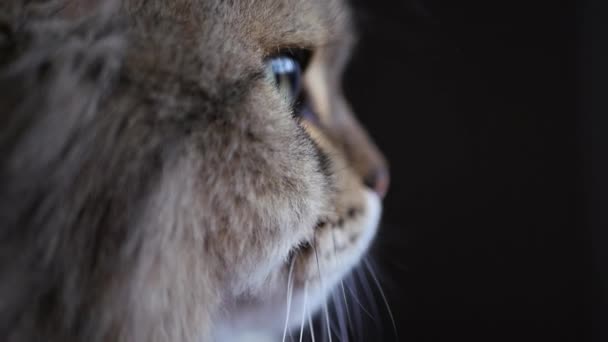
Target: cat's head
221,167
299,181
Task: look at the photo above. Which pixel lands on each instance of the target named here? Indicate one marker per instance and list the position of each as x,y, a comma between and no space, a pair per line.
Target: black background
489,222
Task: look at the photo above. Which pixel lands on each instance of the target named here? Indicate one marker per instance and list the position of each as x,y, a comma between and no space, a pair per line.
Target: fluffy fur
154,186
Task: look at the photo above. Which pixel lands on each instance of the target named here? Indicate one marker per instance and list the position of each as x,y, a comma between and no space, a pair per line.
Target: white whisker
356,299
348,317
357,313
333,240
342,327
388,308
304,310
310,325
369,296
326,310
289,297
323,288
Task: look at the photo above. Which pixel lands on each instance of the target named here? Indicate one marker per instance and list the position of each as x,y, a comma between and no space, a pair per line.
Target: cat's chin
310,278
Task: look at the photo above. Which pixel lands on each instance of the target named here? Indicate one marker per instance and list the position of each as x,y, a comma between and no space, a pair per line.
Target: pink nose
378,180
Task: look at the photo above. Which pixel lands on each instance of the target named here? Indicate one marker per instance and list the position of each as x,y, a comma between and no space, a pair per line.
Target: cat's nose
378,180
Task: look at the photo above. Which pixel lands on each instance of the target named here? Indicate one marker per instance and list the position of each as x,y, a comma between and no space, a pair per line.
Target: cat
183,170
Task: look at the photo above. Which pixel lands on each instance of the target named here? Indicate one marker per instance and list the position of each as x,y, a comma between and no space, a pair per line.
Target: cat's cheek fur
338,252
198,259
315,277
268,198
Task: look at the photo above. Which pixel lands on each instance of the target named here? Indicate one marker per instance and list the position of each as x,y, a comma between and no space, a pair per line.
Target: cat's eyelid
302,55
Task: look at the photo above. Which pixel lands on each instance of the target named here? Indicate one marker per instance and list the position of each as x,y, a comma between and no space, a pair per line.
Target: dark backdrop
485,233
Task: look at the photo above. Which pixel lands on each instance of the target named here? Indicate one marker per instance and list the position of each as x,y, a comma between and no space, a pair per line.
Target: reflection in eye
287,74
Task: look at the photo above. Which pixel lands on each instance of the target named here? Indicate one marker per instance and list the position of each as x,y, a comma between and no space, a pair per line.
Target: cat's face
212,163
289,184
283,180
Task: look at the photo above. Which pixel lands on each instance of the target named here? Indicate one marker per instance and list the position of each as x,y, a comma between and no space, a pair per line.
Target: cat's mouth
339,222
315,267
312,271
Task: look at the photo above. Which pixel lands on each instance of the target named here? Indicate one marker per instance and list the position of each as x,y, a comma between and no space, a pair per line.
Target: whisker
342,327
326,310
333,240
388,308
335,330
369,296
289,297
326,331
310,325
356,299
357,313
304,310
348,317
314,247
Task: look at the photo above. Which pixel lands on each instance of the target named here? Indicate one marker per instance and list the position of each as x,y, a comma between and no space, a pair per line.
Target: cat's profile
179,170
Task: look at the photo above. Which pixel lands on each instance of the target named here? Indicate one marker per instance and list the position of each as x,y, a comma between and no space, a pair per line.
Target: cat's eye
287,75
286,69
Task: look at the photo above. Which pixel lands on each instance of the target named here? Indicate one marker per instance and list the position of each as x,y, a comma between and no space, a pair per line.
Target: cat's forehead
215,42
269,23
296,22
